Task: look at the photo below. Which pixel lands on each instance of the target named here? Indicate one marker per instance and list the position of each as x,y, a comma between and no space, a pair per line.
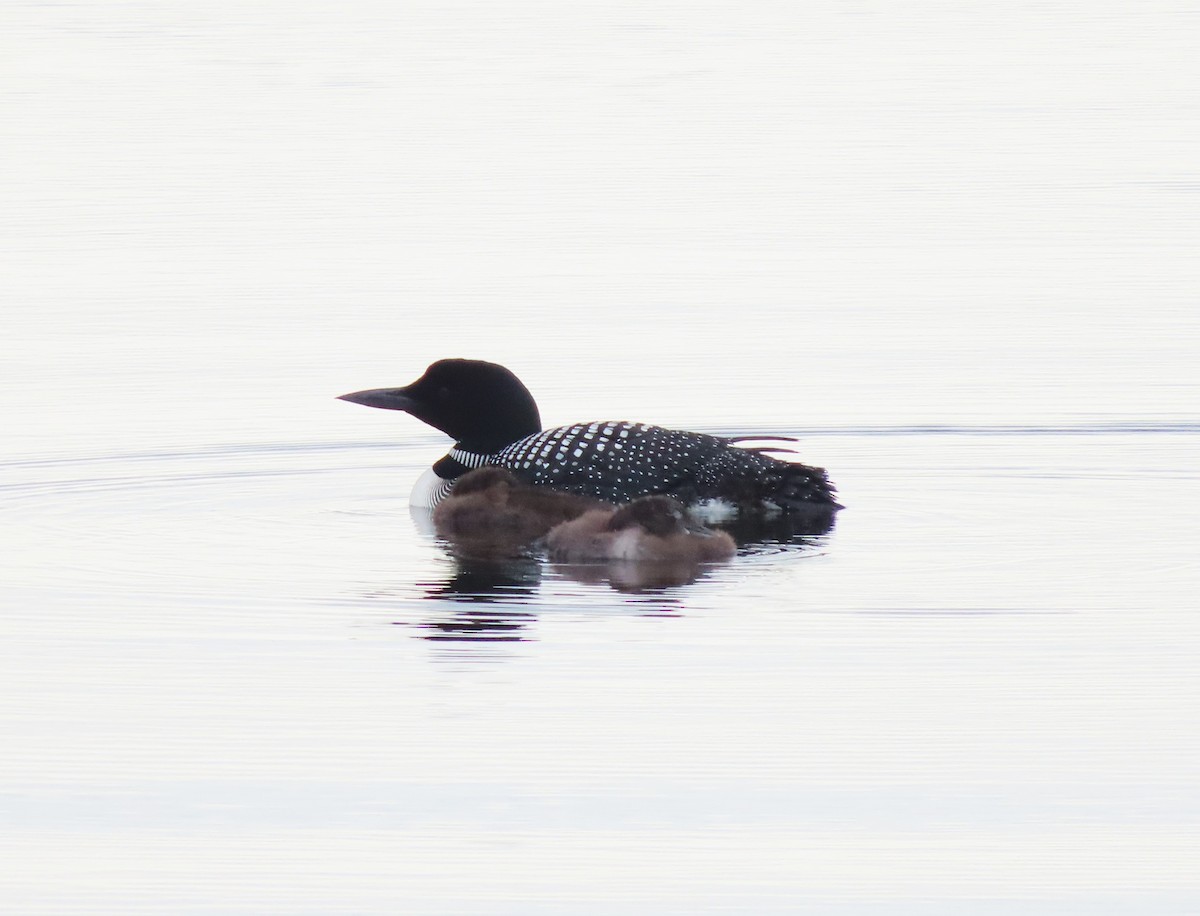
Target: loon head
482,406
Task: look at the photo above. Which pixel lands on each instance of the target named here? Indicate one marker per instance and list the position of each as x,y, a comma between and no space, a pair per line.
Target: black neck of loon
447,467
491,440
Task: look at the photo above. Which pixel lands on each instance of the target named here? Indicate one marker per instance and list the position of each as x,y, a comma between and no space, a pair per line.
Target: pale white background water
950,245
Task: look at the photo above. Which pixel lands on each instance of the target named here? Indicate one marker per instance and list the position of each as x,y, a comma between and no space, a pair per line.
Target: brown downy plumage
650,529
490,512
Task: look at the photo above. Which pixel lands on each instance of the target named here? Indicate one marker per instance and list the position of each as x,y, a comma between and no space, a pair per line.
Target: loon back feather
767,438
618,461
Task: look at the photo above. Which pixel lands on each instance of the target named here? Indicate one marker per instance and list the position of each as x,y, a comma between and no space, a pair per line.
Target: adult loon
494,421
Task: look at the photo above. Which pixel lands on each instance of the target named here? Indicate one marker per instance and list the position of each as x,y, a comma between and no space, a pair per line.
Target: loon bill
494,421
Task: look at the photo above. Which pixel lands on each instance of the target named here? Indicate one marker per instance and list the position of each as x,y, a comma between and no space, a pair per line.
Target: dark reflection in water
632,577
488,580
501,625
490,599
496,593
494,600
753,532
491,579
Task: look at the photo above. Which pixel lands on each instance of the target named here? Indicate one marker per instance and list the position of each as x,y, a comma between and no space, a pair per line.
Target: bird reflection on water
499,599
493,600
496,590
494,593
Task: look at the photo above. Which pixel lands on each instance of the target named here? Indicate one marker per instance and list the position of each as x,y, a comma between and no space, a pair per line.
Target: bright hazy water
951,246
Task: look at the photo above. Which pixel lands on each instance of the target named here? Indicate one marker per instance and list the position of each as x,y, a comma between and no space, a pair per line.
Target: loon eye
443,393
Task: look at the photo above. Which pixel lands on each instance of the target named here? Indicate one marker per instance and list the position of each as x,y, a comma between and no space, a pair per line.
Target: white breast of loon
429,490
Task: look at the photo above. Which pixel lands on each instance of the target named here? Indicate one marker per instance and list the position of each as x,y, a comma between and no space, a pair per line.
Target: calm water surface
950,249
